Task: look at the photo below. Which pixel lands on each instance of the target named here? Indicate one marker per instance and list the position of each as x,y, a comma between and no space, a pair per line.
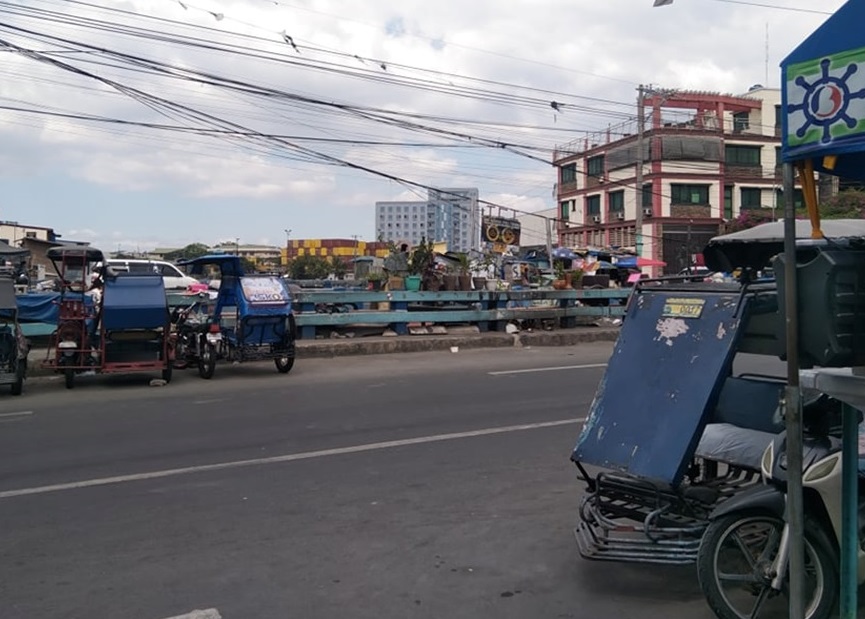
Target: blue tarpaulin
44,306
823,95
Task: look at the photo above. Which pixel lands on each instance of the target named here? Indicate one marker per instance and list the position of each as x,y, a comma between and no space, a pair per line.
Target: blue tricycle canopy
823,96
228,264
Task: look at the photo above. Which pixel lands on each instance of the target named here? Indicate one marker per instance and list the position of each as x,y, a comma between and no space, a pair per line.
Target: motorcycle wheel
734,562
284,364
207,362
18,385
70,378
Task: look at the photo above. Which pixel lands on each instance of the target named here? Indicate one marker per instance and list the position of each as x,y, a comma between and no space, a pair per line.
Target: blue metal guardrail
490,311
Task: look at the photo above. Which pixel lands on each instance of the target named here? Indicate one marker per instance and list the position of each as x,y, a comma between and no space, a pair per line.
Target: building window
565,209
569,173
728,202
593,205
742,155
778,117
595,166
689,194
741,122
798,198
647,196
617,202
752,197
29,235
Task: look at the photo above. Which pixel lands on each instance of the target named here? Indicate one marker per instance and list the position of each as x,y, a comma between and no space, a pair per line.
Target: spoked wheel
18,385
207,362
734,566
70,378
284,364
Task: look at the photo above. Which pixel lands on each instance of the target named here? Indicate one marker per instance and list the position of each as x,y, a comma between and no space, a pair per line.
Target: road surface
415,485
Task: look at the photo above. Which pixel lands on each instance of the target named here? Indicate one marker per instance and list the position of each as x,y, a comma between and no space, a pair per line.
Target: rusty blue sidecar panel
663,379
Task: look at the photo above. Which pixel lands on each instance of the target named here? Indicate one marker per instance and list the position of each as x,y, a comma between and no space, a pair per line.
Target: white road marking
553,369
209,613
210,401
18,414
322,453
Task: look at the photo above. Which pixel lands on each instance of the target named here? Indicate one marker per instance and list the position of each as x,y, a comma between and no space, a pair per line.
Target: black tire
751,595
284,364
167,372
18,385
70,378
207,362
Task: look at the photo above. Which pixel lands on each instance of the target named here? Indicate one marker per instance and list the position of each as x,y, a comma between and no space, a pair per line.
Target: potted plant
420,263
450,279
376,280
487,265
465,272
560,283
577,278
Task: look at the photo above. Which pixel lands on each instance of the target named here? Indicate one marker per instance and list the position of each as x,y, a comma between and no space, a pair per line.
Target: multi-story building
712,158
449,216
327,248
12,233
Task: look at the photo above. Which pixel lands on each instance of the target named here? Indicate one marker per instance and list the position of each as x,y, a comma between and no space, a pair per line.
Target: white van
173,277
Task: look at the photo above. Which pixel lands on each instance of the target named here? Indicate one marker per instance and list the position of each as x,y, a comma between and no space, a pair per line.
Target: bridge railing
490,311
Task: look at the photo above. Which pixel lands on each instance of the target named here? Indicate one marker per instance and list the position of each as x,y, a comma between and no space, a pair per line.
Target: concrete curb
344,347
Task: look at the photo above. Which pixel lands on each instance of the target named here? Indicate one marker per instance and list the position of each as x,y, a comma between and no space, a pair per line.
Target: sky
142,123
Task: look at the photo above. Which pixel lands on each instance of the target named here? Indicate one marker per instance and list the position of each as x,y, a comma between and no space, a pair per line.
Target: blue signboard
823,96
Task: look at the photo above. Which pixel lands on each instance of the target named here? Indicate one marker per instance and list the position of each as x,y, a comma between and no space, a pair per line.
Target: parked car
173,277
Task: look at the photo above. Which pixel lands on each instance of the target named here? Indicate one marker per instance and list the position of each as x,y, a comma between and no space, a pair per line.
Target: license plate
214,337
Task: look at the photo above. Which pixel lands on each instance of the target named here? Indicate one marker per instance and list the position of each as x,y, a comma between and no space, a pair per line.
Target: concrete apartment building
707,157
448,215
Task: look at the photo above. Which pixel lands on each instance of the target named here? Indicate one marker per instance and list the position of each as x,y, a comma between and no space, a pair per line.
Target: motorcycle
196,340
742,562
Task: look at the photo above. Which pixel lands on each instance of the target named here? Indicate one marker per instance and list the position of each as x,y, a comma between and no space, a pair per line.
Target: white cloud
562,49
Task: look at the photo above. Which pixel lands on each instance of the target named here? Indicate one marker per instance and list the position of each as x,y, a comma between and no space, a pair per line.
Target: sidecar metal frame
647,428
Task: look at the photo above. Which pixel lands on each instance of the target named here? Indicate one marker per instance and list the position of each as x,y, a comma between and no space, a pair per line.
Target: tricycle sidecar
252,318
671,428
13,346
108,322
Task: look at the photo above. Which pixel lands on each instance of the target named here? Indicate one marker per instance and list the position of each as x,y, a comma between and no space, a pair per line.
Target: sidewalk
414,343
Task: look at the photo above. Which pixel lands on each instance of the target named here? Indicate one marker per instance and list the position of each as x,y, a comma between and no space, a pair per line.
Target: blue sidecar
251,318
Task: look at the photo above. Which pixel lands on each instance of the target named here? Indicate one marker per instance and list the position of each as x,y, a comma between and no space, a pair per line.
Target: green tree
849,204
338,266
309,267
193,250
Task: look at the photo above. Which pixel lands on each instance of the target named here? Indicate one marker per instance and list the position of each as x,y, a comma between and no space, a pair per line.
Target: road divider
585,366
322,453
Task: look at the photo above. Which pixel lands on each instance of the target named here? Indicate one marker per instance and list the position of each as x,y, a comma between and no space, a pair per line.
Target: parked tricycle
672,428
13,345
108,322
251,319
688,454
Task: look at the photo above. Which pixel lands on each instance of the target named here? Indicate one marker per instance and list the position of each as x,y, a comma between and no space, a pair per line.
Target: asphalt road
415,485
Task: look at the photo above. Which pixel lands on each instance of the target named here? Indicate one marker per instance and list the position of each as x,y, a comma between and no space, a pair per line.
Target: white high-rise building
449,215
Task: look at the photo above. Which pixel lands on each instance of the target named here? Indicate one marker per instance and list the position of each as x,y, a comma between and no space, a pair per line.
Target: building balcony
688,211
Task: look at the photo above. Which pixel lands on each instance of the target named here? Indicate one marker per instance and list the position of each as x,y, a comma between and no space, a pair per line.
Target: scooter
742,563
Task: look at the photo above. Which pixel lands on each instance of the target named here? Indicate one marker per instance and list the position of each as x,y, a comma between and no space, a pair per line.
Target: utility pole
355,237
549,226
641,128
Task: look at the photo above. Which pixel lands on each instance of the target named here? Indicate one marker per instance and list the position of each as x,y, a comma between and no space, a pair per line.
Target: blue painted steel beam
495,315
